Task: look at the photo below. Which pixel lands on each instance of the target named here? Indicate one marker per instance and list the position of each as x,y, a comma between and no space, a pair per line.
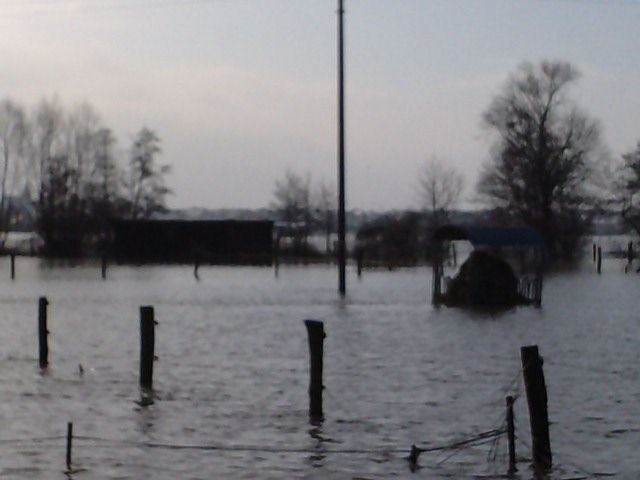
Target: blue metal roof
491,236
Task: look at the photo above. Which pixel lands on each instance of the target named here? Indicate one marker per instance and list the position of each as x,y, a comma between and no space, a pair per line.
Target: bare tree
439,187
292,202
50,171
105,181
147,187
630,188
325,204
14,137
46,140
543,156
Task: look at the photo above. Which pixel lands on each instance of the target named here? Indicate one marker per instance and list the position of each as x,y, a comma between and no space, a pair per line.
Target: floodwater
232,375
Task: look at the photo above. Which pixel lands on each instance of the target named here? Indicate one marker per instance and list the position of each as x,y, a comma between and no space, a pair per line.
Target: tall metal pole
342,221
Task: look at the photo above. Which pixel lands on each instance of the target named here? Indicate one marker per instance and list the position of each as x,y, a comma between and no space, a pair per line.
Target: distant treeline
63,172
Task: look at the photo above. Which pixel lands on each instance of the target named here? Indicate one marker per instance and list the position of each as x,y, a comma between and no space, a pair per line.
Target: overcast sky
241,90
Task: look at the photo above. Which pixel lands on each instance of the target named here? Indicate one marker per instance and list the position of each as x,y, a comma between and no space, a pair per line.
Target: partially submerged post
536,391
69,445
13,266
511,436
196,266
315,331
599,260
276,256
147,347
43,332
103,265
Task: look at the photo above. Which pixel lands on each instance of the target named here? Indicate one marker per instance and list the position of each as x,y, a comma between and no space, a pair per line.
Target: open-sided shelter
488,278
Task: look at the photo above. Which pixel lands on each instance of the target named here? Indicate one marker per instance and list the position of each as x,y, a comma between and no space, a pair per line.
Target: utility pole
342,221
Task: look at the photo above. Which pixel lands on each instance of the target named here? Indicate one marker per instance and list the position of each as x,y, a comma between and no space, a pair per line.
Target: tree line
66,164
547,168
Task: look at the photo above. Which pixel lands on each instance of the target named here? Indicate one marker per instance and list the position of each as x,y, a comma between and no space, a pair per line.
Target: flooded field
232,375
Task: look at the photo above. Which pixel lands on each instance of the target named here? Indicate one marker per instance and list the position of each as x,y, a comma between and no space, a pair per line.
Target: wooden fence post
599,260
595,252
276,256
43,332
511,435
436,292
69,445
13,266
537,401
147,346
103,266
315,331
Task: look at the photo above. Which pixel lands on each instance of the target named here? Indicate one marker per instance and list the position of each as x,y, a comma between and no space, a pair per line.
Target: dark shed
215,241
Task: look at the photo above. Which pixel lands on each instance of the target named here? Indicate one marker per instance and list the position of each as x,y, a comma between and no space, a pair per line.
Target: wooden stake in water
147,346
43,332
537,401
104,266
315,331
511,435
69,444
196,267
599,260
13,266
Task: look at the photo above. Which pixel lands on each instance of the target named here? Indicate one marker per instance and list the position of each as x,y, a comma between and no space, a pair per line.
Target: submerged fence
531,370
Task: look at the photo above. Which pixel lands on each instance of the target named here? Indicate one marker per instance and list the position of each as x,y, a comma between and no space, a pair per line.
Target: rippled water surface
232,375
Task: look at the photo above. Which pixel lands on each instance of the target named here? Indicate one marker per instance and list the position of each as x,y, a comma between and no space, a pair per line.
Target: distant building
203,241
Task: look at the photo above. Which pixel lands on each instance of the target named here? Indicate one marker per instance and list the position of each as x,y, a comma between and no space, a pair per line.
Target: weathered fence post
69,444
13,266
595,252
196,267
43,332
315,331
511,435
538,288
103,265
537,401
147,346
436,294
276,257
454,255
599,260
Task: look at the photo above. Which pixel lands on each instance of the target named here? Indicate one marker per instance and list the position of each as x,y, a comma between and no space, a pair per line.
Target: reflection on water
230,385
